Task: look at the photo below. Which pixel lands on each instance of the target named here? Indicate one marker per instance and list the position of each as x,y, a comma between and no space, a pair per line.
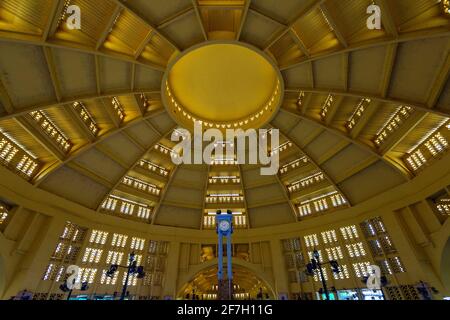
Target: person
23,295
259,296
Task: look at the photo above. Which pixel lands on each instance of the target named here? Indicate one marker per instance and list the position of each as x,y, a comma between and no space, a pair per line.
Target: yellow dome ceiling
222,83
361,112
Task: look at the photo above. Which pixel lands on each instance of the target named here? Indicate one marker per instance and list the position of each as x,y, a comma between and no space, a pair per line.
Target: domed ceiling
360,111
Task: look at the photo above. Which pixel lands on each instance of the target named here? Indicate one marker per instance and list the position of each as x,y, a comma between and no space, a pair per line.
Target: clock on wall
224,225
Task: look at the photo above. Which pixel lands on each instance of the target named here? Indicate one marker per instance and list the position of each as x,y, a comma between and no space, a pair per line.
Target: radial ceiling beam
388,18
17,111
338,101
334,25
21,38
367,115
278,35
314,163
111,155
141,155
43,175
177,16
401,132
299,42
287,197
143,45
147,23
331,152
162,198
98,82
108,27
89,174
76,120
241,177
266,17
243,18
205,191
199,19
389,63
134,141
40,137
440,81
52,22
5,99
350,139
354,94
350,172
110,112
410,36
48,53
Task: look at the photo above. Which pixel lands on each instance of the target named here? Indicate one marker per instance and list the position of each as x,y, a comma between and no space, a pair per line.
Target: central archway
248,282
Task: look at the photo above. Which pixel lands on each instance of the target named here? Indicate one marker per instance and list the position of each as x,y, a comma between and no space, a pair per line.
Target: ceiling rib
157,209
43,140
16,112
19,38
299,42
5,99
243,18
199,19
391,55
48,53
412,36
387,18
341,134
266,17
439,82
141,155
349,93
43,175
50,27
315,164
274,38
107,28
245,198
147,23
335,25
177,16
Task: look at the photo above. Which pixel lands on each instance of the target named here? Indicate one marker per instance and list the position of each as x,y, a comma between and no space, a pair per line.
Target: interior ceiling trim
45,174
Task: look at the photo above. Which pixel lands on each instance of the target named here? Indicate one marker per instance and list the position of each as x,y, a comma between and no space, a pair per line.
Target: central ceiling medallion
224,85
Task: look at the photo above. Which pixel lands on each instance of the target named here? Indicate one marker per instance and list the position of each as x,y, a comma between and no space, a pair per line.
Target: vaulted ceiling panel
121,148
92,193
157,11
163,123
147,79
346,160
76,72
381,177
298,77
114,74
285,13
271,215
185,197
184,31
264,195
321,144
25,75
257,30
100,164
363,76
410,58
330,72
178,217
143,134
